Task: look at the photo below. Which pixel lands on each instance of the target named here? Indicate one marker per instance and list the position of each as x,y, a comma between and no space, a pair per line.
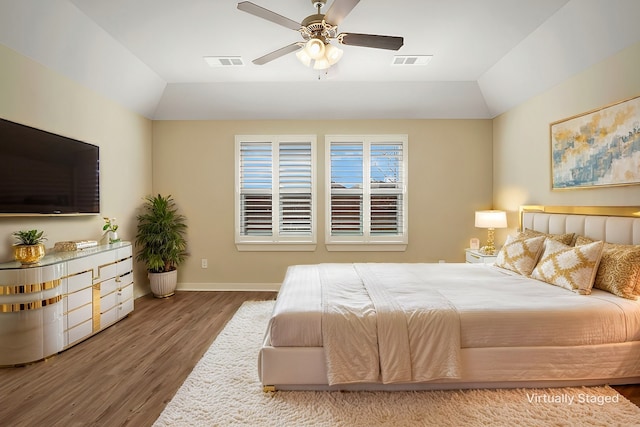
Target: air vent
411,60
224,61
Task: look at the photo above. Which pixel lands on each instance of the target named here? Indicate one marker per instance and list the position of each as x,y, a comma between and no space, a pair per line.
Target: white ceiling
488,55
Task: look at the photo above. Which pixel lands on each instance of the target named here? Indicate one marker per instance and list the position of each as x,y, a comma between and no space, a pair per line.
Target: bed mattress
496,308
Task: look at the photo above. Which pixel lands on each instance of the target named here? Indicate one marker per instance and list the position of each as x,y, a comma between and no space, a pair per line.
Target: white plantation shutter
275,189
346,189
256,183
387,184
366,190
295,172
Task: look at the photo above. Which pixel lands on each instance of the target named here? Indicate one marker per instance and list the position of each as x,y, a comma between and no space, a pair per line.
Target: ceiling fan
317,30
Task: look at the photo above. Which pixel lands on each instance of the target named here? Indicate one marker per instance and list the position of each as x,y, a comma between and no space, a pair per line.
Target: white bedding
372,333
496,308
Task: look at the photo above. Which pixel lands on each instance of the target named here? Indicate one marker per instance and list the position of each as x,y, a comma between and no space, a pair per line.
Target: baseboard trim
220,287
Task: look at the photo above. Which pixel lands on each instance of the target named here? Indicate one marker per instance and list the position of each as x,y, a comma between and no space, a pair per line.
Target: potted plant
29,248
162,245
110,229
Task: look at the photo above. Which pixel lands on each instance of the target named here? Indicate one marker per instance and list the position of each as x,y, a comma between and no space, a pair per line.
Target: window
275,192
366,192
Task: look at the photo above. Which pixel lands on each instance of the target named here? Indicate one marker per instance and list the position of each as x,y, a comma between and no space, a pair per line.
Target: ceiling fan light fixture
315,48
304,57
333,53
321,64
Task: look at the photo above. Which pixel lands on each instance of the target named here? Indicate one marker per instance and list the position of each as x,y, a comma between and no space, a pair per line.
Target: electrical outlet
204,262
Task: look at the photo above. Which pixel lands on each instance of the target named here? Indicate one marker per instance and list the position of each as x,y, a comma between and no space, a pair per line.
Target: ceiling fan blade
277,54
261,12
371,40
339,10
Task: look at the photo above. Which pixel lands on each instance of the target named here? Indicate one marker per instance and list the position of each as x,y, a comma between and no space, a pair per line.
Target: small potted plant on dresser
29,248
162,244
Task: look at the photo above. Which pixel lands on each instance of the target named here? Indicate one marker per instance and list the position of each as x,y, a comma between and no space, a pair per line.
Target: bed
519,323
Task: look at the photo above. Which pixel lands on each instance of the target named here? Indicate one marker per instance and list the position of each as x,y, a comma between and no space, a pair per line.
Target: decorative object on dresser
29,248
62,300
490,219
77,245
162,243
110,229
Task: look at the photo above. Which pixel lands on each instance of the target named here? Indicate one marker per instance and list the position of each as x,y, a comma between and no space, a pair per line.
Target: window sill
366,247
276,247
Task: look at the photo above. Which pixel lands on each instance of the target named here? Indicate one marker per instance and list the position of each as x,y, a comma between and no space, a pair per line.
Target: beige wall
456,167
34,95
449,178
522,149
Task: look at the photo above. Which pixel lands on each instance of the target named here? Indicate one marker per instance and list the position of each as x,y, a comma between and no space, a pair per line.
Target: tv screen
45,173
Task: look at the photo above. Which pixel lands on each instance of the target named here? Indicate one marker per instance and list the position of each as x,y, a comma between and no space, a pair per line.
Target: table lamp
490,220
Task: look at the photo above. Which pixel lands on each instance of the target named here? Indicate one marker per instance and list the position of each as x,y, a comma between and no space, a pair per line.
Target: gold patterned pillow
566,238
520,255
569,267
619,270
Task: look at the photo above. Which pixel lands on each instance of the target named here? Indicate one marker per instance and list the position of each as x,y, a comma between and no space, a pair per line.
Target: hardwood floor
126,374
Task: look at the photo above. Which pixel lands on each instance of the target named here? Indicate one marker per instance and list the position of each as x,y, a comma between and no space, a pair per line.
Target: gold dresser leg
268,388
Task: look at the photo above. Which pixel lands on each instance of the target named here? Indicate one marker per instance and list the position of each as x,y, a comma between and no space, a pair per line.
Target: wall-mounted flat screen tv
45,173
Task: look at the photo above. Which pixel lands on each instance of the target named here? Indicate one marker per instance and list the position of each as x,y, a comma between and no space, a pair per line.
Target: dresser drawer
474,257
124,252
108,286
79,332
106,272
108,301
79,281
125,308
125,266
89,262
108,317
79,315
79,298
126,293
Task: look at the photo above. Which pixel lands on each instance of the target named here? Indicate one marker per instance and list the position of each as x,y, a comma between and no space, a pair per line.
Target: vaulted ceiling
488,55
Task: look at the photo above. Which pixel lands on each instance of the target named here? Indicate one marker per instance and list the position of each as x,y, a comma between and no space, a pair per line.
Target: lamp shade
491,219
321,64
319,56
333,53
315,48
304,57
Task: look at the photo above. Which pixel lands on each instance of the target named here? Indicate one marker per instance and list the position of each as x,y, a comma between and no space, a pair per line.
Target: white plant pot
163,285
113,237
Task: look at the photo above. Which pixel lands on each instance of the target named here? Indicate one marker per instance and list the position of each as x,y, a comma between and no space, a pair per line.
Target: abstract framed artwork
599,148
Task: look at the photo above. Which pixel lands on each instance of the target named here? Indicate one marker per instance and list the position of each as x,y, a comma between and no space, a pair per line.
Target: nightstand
474,256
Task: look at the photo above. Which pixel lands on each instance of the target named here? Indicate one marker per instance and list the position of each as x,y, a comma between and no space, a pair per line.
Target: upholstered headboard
613,224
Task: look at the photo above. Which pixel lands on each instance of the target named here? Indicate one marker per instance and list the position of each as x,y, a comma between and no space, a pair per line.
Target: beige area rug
223,390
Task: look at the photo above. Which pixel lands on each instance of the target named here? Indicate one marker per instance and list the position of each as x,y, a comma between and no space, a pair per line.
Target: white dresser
63,299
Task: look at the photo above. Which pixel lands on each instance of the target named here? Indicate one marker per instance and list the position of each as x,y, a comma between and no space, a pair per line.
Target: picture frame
599,148
474,243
